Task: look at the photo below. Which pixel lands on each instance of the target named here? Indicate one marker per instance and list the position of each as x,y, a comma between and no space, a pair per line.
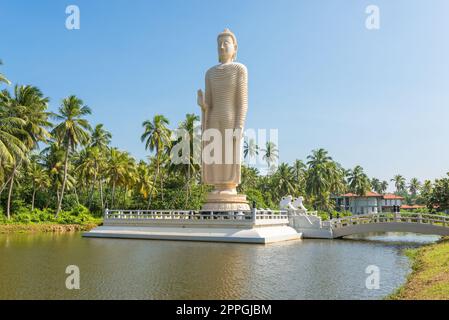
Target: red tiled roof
370,194
414,206
367,195
391,196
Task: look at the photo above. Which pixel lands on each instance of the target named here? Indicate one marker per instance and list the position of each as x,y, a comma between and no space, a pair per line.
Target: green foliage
257,196
78,215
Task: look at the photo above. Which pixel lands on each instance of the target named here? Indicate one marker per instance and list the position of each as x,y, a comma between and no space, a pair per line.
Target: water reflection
33,266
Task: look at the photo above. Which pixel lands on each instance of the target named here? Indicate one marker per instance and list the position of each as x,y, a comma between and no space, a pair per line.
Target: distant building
412,207
371,202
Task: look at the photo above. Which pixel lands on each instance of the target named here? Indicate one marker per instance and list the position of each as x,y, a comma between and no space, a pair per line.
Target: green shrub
22,218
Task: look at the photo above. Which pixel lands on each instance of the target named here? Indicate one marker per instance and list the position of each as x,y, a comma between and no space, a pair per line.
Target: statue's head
227,46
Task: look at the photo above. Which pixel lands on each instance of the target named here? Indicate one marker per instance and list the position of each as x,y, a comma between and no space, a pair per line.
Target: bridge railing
424,218
258,217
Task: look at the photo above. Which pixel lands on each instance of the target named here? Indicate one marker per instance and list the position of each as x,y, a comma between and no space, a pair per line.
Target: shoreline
429,279
45,227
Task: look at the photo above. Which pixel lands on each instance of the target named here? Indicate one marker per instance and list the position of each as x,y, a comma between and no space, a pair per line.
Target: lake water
33,267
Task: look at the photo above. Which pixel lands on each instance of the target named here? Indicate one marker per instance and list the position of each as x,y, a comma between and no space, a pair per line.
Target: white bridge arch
389,222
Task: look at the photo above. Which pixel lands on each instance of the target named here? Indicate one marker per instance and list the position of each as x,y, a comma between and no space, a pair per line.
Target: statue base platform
261,235
226,202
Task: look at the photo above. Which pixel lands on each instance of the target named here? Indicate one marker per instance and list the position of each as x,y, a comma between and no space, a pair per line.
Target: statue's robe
227,99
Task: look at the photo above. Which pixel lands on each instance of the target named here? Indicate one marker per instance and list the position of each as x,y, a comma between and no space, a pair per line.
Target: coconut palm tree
324,176
270,153
299,173
11,127
318,173
250,178
3,78
39,179
189,126
28,104
100,137
250,149
383,187
358,181
156,137
120,169
284,180
399,183
414,186
73,130
144,181
90,162
375,185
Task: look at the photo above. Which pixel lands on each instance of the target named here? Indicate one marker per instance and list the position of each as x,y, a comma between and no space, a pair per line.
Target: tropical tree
426,188
188,126
157,137
383,187
414,186
250,149
399,183
270,153
144,181
358,181
284,180
100,138
250,178
39,179
375,185
89,165
29,105
120,170
3,78
72,131
319,178
439,197
299,173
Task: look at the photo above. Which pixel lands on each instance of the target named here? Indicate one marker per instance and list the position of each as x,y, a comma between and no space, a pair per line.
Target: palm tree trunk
66,161
188,183
124,197
11,184
32,199
151,191
113,195
76,195
101,194
92,190
5,184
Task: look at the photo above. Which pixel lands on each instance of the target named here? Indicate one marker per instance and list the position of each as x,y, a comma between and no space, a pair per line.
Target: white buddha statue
224,106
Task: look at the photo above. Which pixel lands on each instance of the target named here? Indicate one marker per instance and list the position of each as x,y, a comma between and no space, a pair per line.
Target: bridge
422,223
259,226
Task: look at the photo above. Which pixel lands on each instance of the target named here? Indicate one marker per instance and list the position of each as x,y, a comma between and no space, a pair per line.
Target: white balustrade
420,218
196,216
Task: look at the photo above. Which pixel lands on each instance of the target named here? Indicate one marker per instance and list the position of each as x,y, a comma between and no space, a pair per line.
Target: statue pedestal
226,202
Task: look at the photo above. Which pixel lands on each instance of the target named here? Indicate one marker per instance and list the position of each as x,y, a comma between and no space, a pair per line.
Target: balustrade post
253,214
106,214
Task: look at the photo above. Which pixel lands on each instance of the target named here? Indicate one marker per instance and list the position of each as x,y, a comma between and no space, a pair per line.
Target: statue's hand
201,100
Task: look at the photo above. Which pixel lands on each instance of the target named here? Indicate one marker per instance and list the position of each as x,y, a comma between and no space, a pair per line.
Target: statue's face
226,48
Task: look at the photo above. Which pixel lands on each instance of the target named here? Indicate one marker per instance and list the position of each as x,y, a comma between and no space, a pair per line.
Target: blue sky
378,98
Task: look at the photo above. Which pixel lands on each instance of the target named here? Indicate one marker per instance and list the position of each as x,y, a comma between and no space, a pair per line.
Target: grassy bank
79,218
430,276
46,227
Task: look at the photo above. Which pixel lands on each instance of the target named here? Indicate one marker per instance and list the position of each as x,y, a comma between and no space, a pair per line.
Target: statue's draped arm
242,97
